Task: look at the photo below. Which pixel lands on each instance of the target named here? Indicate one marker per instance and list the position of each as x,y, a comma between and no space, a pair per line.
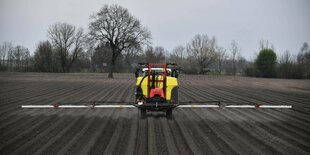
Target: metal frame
164,80
159,106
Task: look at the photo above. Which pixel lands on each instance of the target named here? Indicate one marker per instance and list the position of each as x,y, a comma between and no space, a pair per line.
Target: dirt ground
121,131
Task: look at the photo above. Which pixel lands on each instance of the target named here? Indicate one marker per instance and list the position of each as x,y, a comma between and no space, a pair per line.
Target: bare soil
121,131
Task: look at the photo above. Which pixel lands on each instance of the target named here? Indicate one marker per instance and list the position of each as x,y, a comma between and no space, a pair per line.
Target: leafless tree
285,68
25,57
304,54
241,63
131,55
2,56
160,54
18,58
235,50
102,54
90,52
154,54
264,44
203,50
149,55
15,58
286,58
179,51
5,49
178,55
17,55
117,27
43,57
68,43
78,43
221,57
303,59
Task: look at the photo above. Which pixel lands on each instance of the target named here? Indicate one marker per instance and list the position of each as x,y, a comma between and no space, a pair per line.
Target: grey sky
285,23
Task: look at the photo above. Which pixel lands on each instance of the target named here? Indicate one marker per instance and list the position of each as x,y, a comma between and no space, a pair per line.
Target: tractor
156,87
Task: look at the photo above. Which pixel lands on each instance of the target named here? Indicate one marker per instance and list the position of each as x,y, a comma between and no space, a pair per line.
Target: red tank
157,92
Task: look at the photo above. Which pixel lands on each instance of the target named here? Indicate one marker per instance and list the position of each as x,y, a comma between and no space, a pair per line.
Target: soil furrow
123,131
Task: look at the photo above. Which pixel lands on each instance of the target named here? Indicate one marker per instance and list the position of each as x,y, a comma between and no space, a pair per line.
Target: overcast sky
285,23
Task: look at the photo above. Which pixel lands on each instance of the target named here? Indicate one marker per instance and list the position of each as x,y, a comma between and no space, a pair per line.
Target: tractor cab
156,87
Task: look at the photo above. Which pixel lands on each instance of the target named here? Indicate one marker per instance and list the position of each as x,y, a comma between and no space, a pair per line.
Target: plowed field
121,131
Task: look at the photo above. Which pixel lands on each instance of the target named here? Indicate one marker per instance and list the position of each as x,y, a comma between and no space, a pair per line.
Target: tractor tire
169,113
143,113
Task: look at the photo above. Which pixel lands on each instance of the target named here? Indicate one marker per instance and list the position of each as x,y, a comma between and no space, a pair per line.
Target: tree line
116,41
14,58
268,64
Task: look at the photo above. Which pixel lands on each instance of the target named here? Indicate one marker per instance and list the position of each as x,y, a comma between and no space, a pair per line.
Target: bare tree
160,54
68,43
154,54
303,59
18,58
221,57
178,55
2,56
234,49
26,60
286,58
241,63
10,59
203,50
78,43
90,52
285,68
131,55
5,49
116,26
149,55
102,54
304,54
43,57
264,44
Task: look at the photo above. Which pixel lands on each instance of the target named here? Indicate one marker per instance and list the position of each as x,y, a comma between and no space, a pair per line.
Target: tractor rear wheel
169,113
143,113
